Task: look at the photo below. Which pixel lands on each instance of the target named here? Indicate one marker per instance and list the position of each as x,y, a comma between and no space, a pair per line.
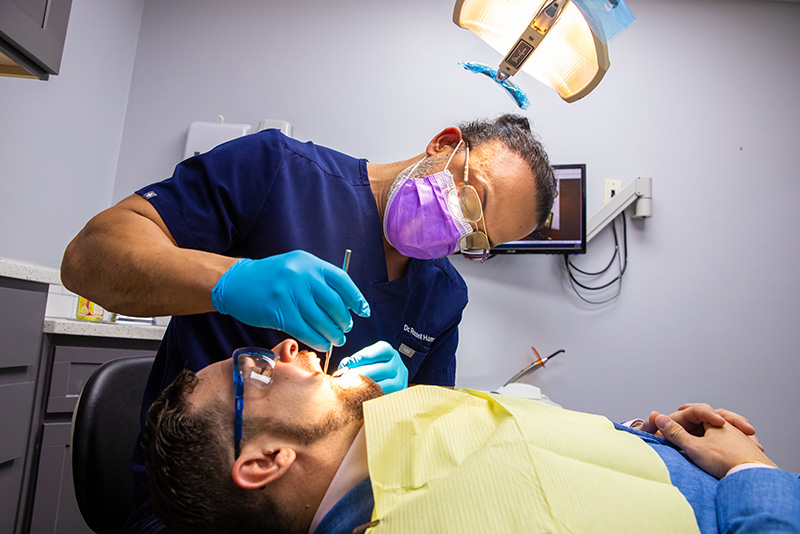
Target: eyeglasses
253,368
463,201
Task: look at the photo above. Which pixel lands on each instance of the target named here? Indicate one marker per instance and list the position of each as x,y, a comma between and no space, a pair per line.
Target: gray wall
59,140
705,103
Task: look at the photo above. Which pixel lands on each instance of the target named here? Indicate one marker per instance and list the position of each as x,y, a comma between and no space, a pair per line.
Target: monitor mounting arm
640,191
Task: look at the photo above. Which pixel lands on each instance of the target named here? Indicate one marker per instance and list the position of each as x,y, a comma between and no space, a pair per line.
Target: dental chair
105,427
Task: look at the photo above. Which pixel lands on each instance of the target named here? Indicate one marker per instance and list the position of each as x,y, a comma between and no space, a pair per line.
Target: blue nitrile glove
296,292
381,363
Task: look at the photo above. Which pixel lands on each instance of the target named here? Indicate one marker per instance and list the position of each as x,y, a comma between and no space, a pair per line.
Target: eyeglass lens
465,199
474,246
251,366
256,367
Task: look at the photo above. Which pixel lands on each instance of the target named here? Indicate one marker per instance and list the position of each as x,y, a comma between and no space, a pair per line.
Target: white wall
705,104
59,140
709,304
373,79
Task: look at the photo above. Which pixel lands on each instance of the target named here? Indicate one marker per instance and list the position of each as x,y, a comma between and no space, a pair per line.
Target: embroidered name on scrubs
466,461
422,337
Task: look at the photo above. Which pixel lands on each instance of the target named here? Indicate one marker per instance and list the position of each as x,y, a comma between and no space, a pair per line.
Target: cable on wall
590,280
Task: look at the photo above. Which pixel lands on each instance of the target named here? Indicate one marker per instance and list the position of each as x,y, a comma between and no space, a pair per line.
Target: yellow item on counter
89,311
466,461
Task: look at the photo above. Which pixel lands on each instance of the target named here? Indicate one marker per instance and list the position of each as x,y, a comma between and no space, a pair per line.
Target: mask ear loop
466,165
455,188
414,168
454,153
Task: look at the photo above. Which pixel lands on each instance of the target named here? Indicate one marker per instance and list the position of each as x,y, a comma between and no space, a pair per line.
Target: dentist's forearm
126,260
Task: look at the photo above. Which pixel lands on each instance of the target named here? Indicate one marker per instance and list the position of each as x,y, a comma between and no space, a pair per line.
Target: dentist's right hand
296,292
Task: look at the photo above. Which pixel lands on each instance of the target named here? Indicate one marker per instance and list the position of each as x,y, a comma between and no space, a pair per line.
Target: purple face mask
418,222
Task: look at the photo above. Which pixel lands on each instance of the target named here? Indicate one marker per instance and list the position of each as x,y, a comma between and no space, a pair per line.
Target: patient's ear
257,467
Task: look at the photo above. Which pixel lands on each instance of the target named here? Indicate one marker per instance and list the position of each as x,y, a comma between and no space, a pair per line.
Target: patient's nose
286,350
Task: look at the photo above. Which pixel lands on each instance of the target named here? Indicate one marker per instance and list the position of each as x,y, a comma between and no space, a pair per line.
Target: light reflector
569,58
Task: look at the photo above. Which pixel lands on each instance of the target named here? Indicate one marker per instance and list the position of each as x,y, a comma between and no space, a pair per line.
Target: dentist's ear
256,468
446,139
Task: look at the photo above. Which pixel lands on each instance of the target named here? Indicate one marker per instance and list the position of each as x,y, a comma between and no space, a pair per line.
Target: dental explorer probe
345,266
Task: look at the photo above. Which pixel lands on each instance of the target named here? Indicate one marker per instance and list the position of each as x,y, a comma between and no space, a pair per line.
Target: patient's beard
344,412
352,398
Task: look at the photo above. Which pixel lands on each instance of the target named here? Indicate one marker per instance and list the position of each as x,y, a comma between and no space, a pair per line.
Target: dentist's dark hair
514,131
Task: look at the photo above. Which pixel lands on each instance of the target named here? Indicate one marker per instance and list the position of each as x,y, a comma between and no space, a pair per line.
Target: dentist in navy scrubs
242,247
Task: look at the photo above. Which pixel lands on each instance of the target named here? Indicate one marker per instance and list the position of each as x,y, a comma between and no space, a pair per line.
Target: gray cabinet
32,34
69,361
41,377
22,306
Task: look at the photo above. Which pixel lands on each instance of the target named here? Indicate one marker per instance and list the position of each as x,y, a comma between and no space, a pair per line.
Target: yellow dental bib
465,461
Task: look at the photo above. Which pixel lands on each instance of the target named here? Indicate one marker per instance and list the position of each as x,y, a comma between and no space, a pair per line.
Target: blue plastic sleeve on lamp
607,18
513,90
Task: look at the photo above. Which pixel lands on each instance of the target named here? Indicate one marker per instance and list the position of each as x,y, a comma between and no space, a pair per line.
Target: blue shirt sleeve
215,199
352,511
759,501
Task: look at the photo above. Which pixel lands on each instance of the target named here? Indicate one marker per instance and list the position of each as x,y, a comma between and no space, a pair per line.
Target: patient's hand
693,416
716,451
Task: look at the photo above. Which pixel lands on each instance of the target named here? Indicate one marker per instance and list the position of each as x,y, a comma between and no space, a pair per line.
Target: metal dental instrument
345,266
532,367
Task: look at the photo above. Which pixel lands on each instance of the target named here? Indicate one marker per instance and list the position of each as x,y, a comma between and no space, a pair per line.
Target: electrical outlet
611,188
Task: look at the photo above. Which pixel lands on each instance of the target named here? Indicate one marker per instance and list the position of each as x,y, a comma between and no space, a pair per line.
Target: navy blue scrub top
265,194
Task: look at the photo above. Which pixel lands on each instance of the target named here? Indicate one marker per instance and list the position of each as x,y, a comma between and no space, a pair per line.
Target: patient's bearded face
351,389
311,404
301,396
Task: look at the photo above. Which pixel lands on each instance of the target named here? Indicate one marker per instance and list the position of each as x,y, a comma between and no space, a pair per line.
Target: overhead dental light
552,40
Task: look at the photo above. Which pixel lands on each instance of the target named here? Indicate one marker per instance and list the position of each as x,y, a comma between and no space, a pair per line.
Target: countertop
57,324
74,327
28,271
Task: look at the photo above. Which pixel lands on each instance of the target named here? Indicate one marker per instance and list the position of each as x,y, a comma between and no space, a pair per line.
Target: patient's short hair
189,456
514,131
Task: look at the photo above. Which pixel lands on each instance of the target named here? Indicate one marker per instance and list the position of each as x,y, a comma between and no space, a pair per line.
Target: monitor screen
564,232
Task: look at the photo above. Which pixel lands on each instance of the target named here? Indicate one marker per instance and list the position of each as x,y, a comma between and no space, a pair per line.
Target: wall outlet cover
611,188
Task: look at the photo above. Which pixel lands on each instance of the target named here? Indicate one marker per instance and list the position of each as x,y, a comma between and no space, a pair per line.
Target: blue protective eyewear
253,366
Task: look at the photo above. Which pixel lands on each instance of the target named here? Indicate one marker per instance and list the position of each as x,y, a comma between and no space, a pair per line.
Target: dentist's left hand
381,363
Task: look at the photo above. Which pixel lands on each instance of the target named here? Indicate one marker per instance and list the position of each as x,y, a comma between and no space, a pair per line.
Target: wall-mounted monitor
565,229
